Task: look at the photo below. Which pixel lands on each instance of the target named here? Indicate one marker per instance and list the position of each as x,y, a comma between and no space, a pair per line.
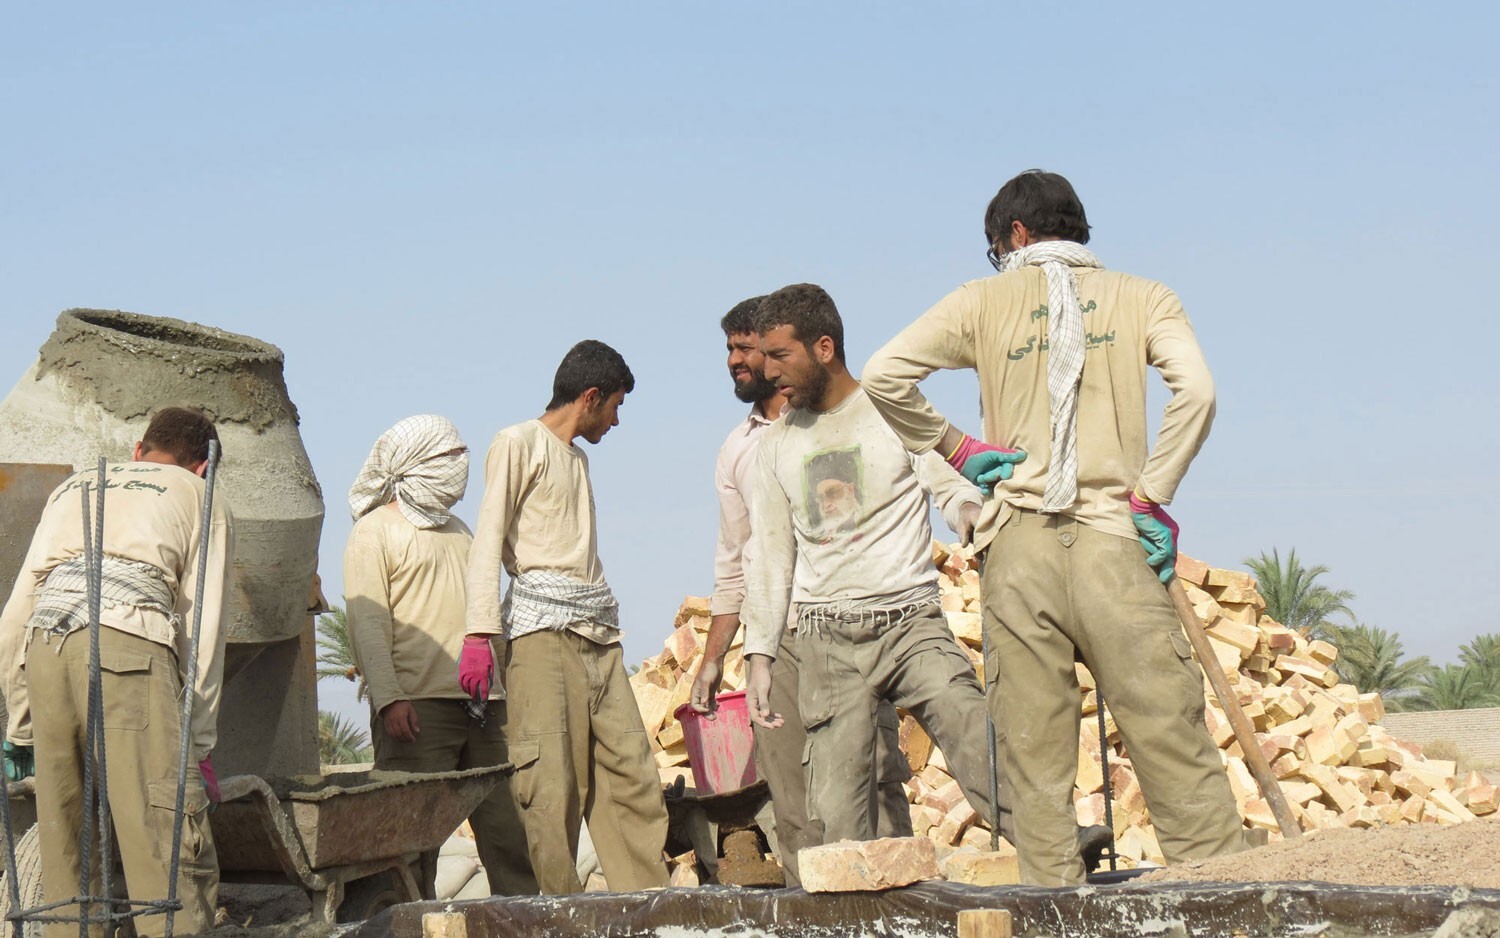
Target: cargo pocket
1181,645
524,755
814,690
162,795
810,780
1193,675
126,682
893,765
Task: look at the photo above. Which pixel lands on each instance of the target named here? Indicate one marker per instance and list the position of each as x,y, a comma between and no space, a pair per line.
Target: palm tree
1483,655
336,650
1293,595
1455,687
1482,652
340,742
1371,659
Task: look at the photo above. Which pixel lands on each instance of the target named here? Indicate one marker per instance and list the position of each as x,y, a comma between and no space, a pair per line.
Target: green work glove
20,761
1158,533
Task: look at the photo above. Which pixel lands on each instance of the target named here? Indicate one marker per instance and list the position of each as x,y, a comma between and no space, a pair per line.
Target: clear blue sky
425,205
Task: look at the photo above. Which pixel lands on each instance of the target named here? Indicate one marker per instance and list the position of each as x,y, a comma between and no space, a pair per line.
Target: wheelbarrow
349,840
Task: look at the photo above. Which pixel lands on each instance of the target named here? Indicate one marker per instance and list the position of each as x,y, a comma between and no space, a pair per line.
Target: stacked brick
1337,766
663,682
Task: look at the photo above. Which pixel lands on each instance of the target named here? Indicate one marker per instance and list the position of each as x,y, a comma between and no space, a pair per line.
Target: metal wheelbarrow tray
327,832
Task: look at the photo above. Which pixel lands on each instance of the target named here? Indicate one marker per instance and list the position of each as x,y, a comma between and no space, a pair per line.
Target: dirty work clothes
449,740
999,326
581,754
537,514
840,515
153,516
734,483
1053,585
914,663
141,690
780,756
404,593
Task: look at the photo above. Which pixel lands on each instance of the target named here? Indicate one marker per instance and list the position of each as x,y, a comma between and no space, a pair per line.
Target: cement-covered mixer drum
96,383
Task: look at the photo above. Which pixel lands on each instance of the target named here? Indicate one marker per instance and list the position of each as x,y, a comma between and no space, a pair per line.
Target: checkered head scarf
422,463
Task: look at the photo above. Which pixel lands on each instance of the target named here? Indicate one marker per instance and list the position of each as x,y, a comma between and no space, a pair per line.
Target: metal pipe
989,723
1109,811
95,734
191,682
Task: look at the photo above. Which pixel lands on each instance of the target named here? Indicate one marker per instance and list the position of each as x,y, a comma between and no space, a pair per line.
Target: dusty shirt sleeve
942,338
1172,349
18,609
770,595
367,597
504,481
734,534
950,491
209,685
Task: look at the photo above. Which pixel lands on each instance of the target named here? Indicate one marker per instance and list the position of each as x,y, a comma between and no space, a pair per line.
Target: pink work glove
984,464
476,665
210,778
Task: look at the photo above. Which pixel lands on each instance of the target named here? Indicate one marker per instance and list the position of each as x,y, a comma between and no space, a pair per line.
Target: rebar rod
190,684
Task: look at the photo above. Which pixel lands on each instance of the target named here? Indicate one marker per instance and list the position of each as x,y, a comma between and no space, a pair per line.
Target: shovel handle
1244,731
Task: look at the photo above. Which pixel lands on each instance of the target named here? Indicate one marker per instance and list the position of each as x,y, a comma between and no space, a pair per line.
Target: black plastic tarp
931,909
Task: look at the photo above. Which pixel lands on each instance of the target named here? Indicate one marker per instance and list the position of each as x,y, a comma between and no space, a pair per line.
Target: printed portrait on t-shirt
833,488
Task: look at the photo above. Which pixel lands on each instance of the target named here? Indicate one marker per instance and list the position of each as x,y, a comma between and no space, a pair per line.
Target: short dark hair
1044,202
182,433
590,364
808,309
741,319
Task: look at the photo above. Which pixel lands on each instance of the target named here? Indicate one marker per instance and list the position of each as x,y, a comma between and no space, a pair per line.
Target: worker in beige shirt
153,513
778,753
1061,347
575,733
404,574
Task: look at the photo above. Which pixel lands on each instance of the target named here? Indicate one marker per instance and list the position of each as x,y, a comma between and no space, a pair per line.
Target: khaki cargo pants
581,754
141,688
781,759
914,663
447,739
1053,586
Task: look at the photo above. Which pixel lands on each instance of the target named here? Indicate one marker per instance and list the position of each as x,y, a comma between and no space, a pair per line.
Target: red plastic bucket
719,749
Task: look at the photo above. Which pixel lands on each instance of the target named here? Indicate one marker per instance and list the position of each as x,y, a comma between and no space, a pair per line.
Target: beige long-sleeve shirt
998,326
537,514
152,515
404,589
840,515
734,480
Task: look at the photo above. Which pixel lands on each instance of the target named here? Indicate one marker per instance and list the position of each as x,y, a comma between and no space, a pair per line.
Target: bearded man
778,754
870,630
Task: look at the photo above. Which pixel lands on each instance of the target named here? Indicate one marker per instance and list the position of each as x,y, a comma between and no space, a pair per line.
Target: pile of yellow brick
1336,765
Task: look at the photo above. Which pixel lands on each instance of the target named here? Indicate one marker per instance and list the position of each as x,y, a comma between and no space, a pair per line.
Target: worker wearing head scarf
404,586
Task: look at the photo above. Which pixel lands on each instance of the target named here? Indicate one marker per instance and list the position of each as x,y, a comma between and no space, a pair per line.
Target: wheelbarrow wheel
368,897
29,879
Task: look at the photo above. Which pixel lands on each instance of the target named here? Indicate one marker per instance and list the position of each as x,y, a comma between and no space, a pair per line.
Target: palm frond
336,650
340,742
1293,595
1455,687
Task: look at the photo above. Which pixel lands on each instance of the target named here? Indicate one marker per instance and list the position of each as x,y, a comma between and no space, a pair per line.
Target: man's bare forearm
950,441
721,632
